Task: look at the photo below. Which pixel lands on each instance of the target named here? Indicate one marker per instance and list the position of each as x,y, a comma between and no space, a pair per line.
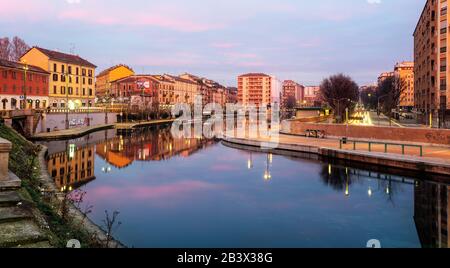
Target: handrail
386,144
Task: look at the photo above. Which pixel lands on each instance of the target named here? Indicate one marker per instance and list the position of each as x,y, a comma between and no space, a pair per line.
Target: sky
301,40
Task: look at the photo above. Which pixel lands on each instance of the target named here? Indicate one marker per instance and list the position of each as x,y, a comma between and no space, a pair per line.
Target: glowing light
72,150
70,188
267,175
329,169
387,190
369,192
270,158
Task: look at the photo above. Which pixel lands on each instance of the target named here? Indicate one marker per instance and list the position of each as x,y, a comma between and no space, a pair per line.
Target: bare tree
340,92
111,226
5,48
19,47
390,94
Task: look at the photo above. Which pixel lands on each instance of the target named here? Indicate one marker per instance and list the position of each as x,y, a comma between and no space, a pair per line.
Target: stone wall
54,121
397,134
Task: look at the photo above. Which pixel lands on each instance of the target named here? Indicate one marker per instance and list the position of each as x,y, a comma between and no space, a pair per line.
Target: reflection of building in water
73,167
431,210
147,145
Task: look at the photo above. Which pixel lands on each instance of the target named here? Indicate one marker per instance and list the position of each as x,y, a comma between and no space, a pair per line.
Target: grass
24,162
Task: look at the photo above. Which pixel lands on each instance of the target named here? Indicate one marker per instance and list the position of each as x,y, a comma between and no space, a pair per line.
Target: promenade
435,159
81,131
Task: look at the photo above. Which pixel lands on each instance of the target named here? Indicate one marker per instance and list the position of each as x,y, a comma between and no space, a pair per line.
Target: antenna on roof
72,48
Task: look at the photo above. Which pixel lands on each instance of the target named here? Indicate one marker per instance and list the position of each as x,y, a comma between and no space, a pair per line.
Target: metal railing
386,145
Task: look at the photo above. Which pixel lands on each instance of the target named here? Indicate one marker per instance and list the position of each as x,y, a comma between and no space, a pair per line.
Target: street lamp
66,77
25,69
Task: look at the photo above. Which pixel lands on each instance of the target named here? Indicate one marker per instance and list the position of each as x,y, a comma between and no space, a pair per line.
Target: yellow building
103,86
404,74
72,78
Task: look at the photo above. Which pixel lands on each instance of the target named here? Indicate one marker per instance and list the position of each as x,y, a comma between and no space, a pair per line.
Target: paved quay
435,159
70,133
81,131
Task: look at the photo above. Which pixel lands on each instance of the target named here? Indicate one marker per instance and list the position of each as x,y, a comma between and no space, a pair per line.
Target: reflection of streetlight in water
250,162
267,175
347,188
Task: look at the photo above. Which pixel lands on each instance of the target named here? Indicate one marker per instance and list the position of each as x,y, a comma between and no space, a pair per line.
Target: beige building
431,59
384,76
71,82
184,89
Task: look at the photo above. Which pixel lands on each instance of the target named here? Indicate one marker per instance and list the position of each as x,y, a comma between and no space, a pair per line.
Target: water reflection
431,211
256,199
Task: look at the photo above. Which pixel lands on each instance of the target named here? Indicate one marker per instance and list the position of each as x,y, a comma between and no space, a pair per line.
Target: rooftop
20,66
64,57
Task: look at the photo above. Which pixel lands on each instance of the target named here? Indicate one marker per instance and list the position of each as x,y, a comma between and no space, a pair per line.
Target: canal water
197,193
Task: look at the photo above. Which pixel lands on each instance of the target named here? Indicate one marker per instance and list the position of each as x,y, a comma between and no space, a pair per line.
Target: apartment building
21,83
431,59
104,84
292,90
71,82
404,76
258,89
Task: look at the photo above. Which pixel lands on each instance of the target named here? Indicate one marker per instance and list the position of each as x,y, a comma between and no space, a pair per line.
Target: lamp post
24,91
378,107
66,77
339,104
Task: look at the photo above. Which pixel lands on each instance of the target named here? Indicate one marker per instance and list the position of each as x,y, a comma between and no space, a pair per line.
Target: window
63,90
90,81
70,69
13,75
63,68
54,90
77,71
84,81
55,68
83,72
90,92
90,73
5,74
5,88
55,77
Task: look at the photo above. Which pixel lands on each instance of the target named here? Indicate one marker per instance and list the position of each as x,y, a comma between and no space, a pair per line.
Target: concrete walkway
70,133
132,125
436,159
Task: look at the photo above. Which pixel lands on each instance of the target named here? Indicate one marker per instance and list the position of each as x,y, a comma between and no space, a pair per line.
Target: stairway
18,227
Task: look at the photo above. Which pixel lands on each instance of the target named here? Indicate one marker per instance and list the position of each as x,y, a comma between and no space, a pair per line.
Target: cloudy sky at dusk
302,40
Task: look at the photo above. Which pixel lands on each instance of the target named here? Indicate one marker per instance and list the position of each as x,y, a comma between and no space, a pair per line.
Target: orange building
404,75
258,89
431,55
104,84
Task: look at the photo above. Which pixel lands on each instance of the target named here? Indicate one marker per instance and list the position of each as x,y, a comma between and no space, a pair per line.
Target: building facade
384,76
138,91
72,78
184,89
292,90
21,83
431,59
311,97
258,89
104,84
404,75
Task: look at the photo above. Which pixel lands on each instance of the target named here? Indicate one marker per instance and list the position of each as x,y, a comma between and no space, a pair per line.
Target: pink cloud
173,190
224,45
177,23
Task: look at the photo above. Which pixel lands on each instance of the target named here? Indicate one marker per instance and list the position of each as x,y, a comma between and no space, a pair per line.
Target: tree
390,94
340,92
19,47
5,48
369,97
12,50
290,102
